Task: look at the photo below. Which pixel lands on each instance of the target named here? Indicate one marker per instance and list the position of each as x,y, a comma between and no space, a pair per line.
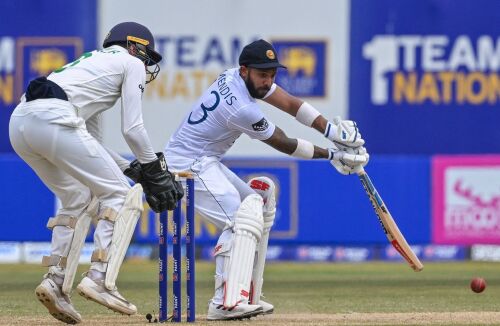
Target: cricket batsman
244,212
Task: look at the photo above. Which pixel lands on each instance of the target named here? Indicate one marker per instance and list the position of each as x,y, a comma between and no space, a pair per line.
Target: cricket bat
390,227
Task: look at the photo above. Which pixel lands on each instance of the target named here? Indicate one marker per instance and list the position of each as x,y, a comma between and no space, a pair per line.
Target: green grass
293,288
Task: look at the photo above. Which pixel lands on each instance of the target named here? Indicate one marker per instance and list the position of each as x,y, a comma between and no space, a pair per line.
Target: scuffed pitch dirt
426,318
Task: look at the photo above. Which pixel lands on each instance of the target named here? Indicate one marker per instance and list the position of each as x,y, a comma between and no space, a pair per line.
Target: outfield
303,294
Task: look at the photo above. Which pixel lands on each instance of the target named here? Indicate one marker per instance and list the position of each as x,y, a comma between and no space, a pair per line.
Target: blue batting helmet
133,32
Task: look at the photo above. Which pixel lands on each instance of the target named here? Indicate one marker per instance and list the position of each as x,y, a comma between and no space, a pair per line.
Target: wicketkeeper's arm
94,127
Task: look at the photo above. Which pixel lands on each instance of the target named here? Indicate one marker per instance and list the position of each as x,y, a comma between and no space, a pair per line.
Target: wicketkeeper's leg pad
124,226
80,226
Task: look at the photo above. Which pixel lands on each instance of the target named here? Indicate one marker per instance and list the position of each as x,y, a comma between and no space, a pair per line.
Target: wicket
177,257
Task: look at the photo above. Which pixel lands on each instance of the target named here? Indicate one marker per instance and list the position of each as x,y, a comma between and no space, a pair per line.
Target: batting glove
344,133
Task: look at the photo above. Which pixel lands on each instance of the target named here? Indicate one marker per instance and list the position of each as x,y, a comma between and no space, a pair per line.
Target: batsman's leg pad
265,187
123,230
222,252
247,231
80,226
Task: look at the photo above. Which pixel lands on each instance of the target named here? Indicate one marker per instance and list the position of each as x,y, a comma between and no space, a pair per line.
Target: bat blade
388,224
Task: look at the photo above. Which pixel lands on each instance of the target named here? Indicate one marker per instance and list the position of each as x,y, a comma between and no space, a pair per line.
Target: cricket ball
478,284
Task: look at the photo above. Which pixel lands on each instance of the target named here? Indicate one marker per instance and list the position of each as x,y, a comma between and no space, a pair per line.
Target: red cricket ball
478,284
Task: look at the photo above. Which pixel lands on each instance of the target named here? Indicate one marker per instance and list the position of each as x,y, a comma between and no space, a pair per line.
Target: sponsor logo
44,61
306,67
472,208
485,252
314,253
466,199
351,254
217,249
436,69
259,184
163,164
25,58
261,125
437,252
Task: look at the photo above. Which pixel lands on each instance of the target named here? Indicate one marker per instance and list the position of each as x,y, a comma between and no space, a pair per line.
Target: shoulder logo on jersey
261,125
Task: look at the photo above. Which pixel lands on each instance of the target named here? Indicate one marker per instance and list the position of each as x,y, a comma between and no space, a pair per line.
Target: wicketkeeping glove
344,133
134,171
161,189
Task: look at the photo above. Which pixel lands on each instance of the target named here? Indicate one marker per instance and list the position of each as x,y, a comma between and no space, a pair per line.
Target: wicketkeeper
56,129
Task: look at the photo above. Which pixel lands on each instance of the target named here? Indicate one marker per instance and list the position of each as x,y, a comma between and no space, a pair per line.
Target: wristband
306,114
305,149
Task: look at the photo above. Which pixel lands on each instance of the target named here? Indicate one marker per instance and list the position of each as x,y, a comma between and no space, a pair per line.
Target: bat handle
359,170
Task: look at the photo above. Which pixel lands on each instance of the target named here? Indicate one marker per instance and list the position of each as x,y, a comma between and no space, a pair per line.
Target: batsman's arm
344,133
290,104
342,159
292,146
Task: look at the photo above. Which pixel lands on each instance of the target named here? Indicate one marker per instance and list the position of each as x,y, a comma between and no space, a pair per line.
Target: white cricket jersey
218,118
95,81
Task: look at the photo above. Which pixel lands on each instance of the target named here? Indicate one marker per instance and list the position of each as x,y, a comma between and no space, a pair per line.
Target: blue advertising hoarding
37,37
26,202
315,204
424,75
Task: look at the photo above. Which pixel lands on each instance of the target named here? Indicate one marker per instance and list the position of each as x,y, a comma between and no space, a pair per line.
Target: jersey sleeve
251,121
94,127
132,124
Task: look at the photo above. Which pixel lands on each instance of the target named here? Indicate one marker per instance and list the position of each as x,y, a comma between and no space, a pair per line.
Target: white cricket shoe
238,312
267,308
94,289
59,304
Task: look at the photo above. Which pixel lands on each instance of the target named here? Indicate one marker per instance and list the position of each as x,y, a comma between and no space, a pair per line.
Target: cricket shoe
267,308
94,289
59,304
238,312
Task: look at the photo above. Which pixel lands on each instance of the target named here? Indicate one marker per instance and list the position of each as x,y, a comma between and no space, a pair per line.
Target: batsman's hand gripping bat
390,228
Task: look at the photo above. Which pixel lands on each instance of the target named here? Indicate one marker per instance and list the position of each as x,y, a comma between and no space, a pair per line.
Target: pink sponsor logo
466,199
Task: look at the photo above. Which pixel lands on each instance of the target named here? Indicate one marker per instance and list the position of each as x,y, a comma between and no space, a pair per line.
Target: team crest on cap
270,54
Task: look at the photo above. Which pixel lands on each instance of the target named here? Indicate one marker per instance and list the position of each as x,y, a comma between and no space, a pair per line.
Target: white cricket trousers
218,195
218,191
54,142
